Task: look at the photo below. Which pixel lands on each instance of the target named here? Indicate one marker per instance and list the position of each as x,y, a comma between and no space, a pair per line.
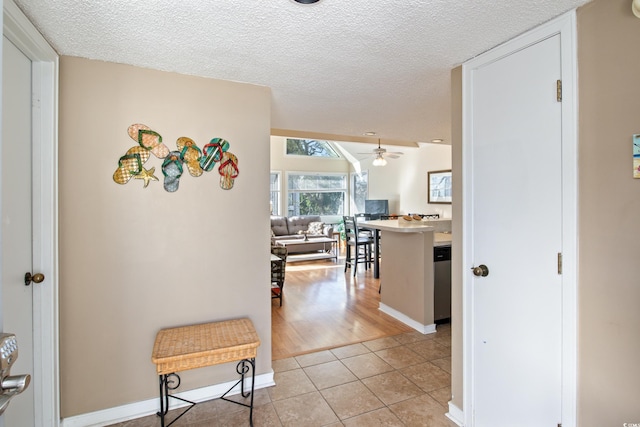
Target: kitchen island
407,270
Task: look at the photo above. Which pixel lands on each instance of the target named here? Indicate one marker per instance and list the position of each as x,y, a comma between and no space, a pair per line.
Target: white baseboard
151,406
424,329
455,414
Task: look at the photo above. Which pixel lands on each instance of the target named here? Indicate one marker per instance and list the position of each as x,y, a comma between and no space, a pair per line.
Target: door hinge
559,90
560,266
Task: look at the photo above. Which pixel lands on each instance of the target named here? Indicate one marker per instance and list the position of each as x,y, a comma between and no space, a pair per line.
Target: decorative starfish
147,175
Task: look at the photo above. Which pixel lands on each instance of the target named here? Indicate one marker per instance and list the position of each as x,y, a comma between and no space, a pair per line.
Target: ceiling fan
381,155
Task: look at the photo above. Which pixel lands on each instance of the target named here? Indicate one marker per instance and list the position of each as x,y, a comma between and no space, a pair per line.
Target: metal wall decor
187,155
636,156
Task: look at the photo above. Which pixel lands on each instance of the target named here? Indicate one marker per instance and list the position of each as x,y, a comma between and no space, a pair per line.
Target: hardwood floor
324,307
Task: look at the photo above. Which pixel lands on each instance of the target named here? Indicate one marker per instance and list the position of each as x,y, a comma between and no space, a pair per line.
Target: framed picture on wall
439,187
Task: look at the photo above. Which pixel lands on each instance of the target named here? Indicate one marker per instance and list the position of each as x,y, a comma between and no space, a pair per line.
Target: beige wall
134,260
609,202
609,225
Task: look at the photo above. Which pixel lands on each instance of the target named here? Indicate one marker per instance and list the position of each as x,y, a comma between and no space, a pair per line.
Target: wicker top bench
196,346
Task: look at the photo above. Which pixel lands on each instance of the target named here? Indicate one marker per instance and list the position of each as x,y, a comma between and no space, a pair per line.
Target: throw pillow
315,228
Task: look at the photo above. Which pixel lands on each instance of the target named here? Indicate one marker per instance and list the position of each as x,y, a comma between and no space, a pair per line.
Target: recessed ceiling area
335,67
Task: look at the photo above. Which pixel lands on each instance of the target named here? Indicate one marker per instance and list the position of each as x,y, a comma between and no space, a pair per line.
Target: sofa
288,228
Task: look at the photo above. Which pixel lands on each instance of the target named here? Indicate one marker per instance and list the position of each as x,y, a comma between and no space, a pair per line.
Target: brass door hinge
560,266
559,90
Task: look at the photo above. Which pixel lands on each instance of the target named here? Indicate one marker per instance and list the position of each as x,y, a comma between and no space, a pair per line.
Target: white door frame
18,29
565,26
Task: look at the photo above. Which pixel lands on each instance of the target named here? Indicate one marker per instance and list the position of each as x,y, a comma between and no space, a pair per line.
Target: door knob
480,271
36,278
16,383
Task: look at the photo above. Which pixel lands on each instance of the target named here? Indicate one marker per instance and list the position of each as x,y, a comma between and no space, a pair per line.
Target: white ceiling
342,67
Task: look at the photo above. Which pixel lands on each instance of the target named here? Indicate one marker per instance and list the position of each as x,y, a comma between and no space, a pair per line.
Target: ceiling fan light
379,161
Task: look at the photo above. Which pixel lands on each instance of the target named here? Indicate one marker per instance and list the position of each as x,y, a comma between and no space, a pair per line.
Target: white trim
353,208
280,191
143,408
569,48
565,26
423,329
18,29
455,414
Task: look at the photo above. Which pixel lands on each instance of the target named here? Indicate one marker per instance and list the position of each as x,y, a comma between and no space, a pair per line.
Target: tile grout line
360,380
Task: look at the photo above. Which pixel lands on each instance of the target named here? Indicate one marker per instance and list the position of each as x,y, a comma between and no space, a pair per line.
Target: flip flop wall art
188,155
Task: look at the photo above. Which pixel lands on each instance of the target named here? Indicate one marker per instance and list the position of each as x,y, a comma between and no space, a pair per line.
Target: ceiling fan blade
391,156
398,153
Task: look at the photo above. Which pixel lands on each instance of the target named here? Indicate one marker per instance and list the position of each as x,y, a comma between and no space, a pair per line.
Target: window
359,190
275,193
310,147
316,194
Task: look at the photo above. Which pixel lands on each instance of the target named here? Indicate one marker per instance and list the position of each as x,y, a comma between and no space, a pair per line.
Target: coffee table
330,249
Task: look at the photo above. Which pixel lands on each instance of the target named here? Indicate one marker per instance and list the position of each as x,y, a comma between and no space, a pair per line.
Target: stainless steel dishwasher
442,284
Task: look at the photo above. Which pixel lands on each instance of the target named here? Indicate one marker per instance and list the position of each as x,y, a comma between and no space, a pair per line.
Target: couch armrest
328,230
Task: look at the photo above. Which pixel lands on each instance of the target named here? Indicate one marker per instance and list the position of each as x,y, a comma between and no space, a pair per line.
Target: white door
17,299
29,201
516,231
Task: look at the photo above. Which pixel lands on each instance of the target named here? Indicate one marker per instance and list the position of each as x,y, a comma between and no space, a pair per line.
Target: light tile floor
404,380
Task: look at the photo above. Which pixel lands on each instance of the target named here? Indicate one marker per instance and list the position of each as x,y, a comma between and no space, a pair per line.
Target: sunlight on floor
307,266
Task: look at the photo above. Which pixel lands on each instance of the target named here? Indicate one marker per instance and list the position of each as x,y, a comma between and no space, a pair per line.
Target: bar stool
355,240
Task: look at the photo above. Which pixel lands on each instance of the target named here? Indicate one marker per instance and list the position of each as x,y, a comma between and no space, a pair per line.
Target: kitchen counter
398,225
408,270
402,226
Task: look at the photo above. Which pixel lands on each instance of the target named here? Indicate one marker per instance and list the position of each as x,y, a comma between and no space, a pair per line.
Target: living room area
329,338
323,306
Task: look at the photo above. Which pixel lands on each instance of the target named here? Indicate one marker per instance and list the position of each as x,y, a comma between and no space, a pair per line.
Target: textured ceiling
341,67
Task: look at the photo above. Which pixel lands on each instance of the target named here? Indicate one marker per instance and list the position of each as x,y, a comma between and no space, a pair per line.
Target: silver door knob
36,278
480,271
16,383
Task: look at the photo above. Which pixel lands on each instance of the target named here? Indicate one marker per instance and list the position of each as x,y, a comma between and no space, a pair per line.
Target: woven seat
197,346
